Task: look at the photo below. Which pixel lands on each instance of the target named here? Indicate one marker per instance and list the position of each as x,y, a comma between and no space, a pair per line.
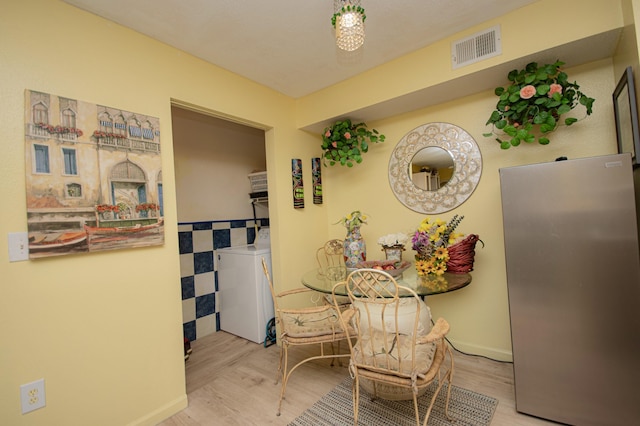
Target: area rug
336,408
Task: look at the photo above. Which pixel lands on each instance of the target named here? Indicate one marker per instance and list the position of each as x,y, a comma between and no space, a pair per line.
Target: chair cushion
406,316
311,324
370,350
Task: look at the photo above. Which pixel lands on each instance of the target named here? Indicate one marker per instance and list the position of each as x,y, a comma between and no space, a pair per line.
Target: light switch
18,246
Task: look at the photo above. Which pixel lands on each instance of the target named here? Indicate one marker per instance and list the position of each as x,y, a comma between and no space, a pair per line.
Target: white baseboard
473,349
162,413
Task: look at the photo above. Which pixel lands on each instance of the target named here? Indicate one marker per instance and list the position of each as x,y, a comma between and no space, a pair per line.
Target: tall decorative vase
355,249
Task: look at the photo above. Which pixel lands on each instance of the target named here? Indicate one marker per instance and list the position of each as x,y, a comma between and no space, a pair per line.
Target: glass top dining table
323,280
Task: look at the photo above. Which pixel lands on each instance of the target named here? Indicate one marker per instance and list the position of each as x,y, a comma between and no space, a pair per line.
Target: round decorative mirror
431,168
435,168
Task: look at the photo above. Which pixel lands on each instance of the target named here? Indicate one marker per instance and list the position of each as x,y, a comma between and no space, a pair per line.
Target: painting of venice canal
93,175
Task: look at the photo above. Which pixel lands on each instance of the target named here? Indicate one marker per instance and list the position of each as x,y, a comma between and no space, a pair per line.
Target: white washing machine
245,302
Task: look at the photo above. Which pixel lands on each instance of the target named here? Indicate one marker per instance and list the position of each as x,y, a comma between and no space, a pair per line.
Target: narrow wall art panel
316,173
93,177
298,188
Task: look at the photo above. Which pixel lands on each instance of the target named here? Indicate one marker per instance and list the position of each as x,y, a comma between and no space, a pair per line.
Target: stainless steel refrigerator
573,278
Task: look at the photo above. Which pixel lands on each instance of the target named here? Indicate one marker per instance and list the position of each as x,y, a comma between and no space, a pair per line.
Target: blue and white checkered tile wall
198,271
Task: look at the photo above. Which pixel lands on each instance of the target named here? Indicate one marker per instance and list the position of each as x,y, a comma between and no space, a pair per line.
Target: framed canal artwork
93,177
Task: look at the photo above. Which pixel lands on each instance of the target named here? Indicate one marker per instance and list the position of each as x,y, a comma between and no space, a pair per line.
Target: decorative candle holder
393,252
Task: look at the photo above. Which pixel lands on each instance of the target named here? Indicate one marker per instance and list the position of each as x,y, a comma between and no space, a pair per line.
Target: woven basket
461,255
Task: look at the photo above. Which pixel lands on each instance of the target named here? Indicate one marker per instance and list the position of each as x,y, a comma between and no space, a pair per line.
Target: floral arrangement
124,211
348,8
59,130
430,241
353,220
101,208
100,134
532,105
344,143
146,206
392,240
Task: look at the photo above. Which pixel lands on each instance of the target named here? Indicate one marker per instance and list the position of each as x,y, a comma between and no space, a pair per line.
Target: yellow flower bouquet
430,241
353,220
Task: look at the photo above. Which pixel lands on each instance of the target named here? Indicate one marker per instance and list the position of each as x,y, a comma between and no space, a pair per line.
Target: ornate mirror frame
467,162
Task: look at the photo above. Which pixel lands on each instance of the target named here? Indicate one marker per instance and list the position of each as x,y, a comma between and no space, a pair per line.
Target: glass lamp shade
350,31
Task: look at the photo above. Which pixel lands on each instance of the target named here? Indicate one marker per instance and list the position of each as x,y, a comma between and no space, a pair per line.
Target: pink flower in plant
327,133
554,88
334,144
527,92
347,135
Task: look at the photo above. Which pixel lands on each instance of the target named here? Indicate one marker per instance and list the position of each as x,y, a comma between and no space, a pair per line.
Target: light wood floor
230,381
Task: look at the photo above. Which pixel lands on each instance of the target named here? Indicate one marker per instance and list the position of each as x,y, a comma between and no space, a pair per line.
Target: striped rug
336,408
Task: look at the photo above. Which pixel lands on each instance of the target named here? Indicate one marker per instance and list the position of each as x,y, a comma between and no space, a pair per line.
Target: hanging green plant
344,143
532,105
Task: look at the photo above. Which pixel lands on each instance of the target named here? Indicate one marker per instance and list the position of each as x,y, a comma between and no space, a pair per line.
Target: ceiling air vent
480,46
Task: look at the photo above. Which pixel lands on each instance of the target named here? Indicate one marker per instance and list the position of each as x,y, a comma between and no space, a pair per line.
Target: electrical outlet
18,246
32,396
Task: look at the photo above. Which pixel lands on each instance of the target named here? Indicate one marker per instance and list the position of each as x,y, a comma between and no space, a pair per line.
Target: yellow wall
104,329
478,314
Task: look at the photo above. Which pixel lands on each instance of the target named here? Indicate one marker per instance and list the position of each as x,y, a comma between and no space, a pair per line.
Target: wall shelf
260,200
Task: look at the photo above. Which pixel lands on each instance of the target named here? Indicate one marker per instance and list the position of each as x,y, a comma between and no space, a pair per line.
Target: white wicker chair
330,259
395,348
301,327
331,254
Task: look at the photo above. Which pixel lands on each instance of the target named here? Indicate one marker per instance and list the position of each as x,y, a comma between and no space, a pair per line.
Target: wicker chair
397,355
301,327
331,255
330,259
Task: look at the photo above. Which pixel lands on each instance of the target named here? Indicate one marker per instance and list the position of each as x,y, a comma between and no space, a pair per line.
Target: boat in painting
55,240
57,243
113,237
119,230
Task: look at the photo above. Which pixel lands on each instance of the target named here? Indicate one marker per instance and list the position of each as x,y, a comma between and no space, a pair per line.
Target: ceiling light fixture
348,21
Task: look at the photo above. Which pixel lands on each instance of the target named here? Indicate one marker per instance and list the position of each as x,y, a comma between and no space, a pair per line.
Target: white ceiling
288,45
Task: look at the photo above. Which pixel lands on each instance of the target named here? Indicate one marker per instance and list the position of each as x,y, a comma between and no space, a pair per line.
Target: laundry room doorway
213,158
